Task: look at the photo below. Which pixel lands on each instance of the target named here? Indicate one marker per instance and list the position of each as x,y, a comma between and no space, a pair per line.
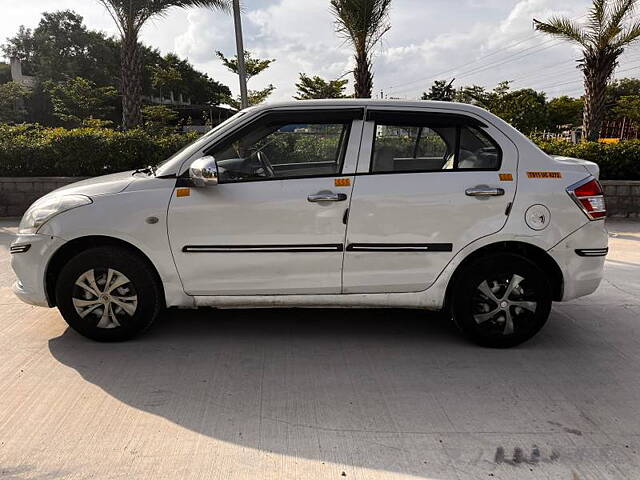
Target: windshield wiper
149,170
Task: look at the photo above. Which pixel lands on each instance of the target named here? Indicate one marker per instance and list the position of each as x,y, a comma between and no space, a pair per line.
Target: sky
478,42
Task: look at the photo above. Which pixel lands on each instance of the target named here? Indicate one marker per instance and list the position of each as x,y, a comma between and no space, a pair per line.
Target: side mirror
204,172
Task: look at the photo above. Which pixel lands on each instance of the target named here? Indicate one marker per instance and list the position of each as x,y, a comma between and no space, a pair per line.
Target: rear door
428,184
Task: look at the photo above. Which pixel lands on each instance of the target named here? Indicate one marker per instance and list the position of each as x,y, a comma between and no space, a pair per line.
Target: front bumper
30,265
581,258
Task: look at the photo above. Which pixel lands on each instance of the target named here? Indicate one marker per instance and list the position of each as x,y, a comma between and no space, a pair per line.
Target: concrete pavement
327,394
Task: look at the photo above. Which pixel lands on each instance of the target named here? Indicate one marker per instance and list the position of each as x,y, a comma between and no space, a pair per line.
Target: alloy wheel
500,304
105,296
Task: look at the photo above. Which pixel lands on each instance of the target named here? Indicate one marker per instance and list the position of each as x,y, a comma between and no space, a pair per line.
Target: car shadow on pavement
229,373
304,382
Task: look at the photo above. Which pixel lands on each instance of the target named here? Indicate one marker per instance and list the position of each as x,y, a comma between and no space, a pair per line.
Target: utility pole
242,69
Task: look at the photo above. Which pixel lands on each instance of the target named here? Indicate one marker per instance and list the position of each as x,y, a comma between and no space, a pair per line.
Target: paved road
326,394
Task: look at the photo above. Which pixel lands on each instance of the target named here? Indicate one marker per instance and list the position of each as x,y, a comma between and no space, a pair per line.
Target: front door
275,224
428,184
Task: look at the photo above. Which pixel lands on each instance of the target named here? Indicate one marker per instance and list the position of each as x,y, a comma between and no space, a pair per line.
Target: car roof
368,102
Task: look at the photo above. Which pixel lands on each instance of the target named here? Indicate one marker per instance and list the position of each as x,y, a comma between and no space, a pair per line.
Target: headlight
48,207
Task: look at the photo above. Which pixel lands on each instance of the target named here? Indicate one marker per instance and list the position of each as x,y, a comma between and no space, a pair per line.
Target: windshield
169,166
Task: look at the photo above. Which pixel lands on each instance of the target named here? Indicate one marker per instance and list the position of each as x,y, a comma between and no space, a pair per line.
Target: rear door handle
327,197
483,191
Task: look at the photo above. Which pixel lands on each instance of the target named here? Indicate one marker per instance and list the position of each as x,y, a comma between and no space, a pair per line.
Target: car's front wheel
501,300
108,294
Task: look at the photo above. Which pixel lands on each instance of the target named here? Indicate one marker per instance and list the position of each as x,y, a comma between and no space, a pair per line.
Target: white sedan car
336,203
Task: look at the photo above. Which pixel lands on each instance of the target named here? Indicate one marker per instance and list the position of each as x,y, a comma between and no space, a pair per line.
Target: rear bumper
581,258
30,264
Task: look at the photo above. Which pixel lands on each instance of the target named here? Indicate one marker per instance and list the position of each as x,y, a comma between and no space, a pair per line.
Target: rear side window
431,143
477,151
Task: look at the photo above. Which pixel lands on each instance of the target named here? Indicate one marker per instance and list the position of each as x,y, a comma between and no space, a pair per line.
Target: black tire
141,295
528,300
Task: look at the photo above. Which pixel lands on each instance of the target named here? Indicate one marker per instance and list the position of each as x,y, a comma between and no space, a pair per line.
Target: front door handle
327,197
484,191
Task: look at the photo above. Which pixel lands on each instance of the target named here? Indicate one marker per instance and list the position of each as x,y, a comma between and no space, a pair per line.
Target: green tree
165,78
629,107
481,97
441,90
315,87
194,84
5,72
61,47
130,16
254,66
565,111
525,109
363,23
603,38
473,95
50,52
21,45
256,97
158,116
79,99
12,98
623,87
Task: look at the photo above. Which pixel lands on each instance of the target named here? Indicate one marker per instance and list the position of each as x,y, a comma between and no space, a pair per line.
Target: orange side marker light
183,192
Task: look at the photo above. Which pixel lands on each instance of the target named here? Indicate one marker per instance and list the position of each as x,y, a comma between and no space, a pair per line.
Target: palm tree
363,23
130,16
602,39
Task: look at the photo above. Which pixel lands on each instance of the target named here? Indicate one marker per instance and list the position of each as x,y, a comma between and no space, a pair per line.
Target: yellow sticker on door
342,182
544,174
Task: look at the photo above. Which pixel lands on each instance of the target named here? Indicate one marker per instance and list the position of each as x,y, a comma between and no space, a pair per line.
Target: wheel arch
71,248
527,250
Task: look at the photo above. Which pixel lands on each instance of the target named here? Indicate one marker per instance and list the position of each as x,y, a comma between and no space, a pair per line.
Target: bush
32,150
617,161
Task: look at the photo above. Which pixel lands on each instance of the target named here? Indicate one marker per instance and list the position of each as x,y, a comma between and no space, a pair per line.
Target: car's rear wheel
108,294
501,300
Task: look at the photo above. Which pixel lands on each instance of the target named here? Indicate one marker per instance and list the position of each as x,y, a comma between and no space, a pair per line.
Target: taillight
589,196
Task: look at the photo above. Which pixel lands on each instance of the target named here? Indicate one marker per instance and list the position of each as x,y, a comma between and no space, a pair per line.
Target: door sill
357,300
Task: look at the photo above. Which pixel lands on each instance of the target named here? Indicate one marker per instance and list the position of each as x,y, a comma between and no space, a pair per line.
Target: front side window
430,145
170,165
283,149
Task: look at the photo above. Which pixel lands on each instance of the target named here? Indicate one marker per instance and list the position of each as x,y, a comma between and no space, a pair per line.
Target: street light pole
242,69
